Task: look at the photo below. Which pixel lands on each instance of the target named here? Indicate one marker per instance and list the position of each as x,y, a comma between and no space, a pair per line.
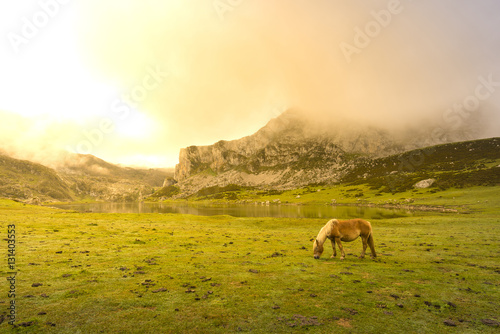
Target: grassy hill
76,177
463,164
26,180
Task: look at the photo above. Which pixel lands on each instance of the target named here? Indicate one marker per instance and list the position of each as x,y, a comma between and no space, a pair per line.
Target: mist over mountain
292,150
76,177
295,149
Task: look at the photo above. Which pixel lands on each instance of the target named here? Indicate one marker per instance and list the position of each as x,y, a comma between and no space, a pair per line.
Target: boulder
424,184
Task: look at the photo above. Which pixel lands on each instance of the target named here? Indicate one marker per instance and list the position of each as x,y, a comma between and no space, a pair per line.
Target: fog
202,71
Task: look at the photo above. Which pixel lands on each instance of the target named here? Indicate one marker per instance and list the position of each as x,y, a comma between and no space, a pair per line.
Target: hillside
31,182
293,151
459,165
76,177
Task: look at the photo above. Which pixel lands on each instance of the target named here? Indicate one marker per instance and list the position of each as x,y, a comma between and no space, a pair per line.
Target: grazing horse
344,230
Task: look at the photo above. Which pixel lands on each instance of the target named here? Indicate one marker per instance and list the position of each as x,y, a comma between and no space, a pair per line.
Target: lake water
239,210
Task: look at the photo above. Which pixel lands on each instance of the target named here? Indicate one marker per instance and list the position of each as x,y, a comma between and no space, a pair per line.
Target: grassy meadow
167,273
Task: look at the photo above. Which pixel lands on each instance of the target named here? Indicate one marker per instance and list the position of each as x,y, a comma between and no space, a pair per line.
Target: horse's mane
325,231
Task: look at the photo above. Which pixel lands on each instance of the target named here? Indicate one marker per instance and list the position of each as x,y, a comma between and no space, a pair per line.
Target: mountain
294,150
76,177
29,181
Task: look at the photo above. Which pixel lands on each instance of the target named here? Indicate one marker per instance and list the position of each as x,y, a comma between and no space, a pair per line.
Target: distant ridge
75,177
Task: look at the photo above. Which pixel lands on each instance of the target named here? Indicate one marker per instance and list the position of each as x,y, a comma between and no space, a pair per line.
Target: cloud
227,76
227,73
36,139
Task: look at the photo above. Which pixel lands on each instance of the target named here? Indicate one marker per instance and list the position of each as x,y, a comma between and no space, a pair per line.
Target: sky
133,81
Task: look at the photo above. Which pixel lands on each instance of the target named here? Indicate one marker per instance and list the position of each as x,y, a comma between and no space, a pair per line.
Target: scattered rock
351,311
276,254
300,320
26,324
148,282
490,322
255,271
159,290
450,323
36,285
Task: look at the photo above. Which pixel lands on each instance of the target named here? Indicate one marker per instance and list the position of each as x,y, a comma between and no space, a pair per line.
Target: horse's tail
371,243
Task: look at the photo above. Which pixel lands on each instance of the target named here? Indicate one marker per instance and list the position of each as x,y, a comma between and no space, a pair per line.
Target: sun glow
47,80
48,77
136,125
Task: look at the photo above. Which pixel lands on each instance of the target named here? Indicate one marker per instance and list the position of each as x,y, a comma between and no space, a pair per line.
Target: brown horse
344,230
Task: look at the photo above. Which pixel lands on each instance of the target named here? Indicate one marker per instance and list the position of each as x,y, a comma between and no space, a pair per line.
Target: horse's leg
334,250
342,254
372,246
364,239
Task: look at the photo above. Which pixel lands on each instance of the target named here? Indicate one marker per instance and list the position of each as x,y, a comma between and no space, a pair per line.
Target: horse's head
317,249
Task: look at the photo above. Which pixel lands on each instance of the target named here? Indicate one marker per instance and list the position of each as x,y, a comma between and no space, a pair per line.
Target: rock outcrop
290,151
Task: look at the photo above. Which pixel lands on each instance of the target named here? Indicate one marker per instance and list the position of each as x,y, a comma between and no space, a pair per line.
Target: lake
241,210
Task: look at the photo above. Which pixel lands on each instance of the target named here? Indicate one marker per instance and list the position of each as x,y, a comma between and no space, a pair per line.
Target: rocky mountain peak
295,149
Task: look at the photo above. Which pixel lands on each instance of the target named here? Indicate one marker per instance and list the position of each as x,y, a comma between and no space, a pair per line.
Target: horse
344,230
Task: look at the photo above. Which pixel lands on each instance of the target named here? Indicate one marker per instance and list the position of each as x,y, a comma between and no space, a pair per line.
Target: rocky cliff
291,151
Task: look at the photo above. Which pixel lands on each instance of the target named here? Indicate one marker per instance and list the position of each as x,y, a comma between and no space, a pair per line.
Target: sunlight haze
132,82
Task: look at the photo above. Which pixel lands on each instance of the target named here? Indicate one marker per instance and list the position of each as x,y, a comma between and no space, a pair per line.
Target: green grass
165,273
483,198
